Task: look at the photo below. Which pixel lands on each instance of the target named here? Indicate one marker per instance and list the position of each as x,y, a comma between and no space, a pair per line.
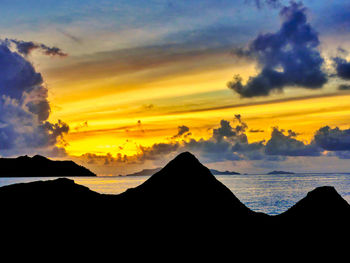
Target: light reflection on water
270,194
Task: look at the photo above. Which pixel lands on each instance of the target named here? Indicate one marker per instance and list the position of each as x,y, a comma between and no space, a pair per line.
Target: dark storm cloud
288,145
211,150
24,109
225,130
281,146
288,57
342,67
236,133
333,139
229,143
157,150
26,47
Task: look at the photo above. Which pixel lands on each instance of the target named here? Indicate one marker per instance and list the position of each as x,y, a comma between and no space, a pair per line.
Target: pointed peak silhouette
187,156
185,184
322,202
183,159
185,165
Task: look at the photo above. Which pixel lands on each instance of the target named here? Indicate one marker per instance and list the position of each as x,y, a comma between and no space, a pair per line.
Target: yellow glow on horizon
166,97
304,117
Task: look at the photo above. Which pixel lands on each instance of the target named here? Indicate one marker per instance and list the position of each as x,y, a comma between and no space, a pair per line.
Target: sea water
271,194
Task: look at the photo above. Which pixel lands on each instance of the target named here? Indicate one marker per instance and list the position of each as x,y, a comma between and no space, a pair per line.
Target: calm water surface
270,194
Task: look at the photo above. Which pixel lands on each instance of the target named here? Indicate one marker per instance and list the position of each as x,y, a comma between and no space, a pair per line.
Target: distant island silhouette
217,172
183,201
149,172
280,172
145,172
39,166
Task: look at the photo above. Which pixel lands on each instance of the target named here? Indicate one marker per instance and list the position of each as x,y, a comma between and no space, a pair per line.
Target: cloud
255,130
344,87
236,133
26,47
25,109
333,139
91,158
229,143
287,58
288,145
342,67
139,126
70,36
182,130
157,150
81,126
271,3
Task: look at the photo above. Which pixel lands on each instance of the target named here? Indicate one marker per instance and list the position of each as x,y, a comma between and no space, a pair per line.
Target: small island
144,172
280,172
216,172
40,166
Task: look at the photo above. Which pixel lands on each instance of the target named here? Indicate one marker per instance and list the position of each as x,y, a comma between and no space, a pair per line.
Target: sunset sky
118,86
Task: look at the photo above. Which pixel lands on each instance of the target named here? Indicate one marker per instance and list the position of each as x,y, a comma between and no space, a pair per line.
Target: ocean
271,194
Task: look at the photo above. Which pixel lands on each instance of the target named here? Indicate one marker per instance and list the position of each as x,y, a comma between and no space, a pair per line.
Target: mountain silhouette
322,203
185,188
183,201
39,166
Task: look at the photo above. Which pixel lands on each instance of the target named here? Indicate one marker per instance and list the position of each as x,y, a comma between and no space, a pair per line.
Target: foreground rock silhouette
39,166
183,200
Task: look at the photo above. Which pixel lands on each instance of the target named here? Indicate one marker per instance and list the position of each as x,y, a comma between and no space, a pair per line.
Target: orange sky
132,77
182,93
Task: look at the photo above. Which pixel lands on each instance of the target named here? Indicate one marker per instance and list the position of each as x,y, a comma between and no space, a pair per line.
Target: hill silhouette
323,202
39,166
186,190
183,201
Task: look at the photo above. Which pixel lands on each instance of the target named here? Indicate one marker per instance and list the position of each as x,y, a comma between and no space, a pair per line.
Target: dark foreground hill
39,166
181,204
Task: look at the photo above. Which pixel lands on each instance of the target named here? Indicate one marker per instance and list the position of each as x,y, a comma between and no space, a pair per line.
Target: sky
118,86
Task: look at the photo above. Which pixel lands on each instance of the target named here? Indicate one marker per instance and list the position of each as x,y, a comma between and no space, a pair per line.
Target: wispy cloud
26,47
